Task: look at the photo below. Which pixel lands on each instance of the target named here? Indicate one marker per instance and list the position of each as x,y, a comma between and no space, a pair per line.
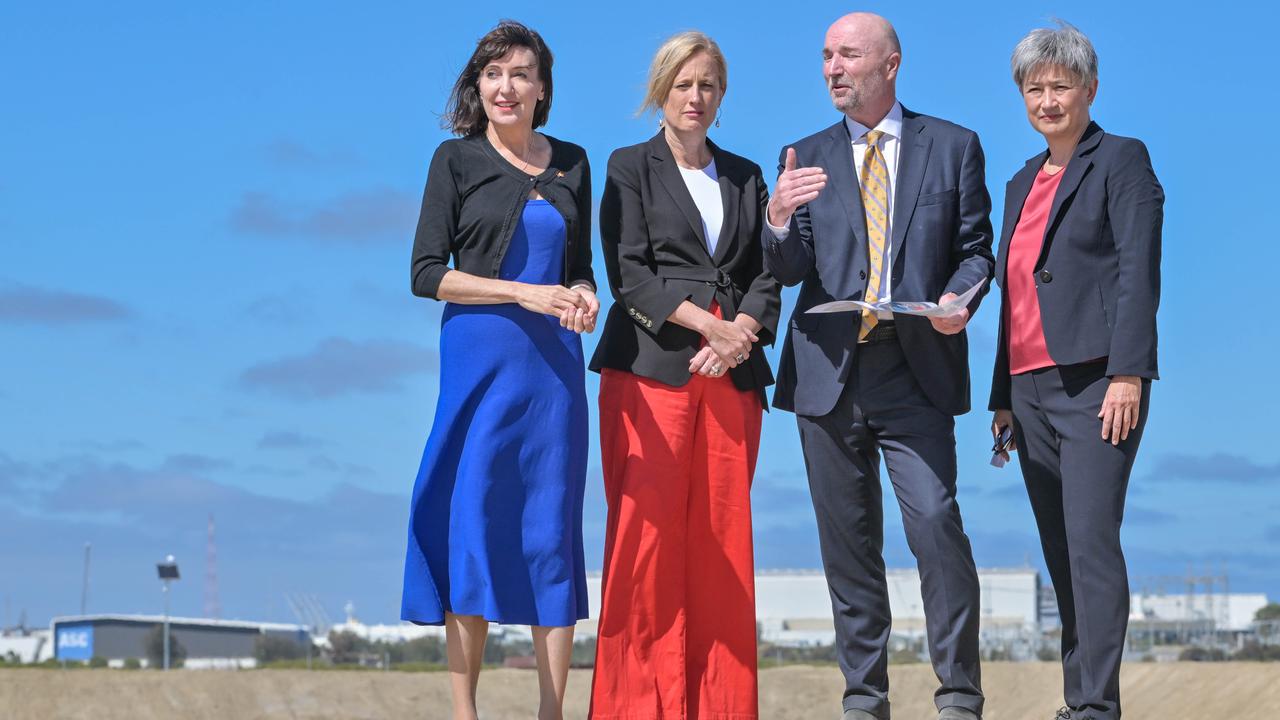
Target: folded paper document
927,309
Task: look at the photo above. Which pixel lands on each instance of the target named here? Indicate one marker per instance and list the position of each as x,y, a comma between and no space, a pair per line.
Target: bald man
884,204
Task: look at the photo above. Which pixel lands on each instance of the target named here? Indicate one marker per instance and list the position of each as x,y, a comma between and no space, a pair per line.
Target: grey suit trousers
882,408
1077,483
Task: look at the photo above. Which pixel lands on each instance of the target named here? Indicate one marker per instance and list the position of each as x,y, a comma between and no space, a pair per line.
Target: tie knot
873,137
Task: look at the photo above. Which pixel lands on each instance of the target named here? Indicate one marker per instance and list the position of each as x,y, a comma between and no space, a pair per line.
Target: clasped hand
576,307
728,346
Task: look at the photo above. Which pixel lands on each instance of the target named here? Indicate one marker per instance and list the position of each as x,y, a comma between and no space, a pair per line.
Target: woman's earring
718,118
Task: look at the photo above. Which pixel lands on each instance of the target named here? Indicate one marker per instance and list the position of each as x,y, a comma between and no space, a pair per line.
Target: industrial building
1018,620
793,607
208,643
1233,612
20,645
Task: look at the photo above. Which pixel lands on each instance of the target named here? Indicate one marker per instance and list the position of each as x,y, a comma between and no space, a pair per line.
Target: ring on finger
739,358
716,369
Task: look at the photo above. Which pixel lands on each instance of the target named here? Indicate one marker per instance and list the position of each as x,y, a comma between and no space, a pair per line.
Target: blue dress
495,527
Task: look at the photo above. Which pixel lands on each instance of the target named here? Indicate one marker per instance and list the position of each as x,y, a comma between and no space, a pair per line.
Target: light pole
84,588
168,572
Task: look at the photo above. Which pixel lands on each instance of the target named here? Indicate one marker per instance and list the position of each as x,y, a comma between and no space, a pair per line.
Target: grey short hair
1066,47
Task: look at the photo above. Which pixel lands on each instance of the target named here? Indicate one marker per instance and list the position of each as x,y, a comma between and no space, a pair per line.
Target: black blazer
472,206
941,243
657,257
1098,276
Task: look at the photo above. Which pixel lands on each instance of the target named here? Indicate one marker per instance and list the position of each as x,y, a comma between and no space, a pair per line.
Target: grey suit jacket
941,242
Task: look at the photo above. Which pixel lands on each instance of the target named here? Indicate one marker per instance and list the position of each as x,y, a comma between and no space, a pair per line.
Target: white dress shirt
891,127
704,186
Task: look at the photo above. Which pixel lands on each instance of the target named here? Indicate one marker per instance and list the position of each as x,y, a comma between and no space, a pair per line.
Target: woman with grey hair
1079,272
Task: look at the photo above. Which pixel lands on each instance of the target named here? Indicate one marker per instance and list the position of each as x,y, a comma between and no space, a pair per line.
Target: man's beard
851,101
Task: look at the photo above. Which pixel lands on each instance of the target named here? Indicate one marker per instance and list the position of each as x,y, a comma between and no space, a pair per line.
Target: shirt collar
890,124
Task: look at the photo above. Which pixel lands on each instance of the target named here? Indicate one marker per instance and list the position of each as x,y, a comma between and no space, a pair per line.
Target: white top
704,186
891,126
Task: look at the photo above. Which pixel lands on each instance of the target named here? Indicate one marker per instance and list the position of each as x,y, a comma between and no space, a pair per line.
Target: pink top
1027,349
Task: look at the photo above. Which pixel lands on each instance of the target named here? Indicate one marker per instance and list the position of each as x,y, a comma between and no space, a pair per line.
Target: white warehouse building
1232,612
793,607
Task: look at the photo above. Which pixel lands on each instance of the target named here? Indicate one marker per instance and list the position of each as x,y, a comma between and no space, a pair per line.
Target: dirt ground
1015,691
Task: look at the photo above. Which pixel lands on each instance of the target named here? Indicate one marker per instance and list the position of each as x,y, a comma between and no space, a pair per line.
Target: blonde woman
681,401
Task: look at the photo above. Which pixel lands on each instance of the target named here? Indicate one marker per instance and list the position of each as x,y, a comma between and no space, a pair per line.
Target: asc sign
75,642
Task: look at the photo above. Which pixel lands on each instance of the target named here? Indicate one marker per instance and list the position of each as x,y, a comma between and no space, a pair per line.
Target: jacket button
862,274
1046,276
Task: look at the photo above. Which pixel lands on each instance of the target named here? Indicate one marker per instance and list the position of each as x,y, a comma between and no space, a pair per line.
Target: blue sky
205,223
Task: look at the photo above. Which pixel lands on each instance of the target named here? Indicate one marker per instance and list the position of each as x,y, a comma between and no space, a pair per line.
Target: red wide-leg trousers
677,627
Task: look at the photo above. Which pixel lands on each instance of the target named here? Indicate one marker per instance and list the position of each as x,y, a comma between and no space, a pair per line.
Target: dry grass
1022,691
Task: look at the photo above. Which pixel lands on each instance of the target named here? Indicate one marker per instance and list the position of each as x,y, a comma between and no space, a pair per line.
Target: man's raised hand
796,186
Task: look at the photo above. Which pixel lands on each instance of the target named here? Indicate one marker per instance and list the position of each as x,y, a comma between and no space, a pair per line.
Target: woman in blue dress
495,529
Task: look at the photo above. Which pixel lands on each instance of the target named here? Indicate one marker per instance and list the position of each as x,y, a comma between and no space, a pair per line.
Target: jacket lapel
730,199
913,156
1081,161
1015,196
842,178
664,166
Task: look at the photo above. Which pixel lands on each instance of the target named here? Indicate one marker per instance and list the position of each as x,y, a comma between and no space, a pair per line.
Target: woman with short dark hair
495,530
1079,273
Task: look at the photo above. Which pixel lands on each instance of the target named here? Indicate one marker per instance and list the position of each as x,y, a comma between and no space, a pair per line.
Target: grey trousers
1077,483
882,408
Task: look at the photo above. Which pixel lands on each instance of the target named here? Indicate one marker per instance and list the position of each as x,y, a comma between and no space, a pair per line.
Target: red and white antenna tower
212,609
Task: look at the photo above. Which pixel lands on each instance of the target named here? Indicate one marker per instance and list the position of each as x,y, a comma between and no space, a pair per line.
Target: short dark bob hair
465,113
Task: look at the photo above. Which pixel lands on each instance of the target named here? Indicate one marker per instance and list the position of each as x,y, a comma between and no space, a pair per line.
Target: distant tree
495,653
1270,611
1257,652
1202,654
584,653
97,662
810,654
995,654
426,649
269,648
154,645
132,664
346,647
907,656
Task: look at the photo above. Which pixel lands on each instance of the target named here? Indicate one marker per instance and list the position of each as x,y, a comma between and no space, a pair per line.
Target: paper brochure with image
926,309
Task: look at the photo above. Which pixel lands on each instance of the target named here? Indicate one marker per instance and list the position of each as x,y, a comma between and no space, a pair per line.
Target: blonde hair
673,54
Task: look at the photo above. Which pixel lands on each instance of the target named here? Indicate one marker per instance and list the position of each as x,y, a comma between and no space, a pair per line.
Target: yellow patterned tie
874,182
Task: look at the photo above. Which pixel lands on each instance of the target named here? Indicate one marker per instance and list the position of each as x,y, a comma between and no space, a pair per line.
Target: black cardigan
656,257
474,199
